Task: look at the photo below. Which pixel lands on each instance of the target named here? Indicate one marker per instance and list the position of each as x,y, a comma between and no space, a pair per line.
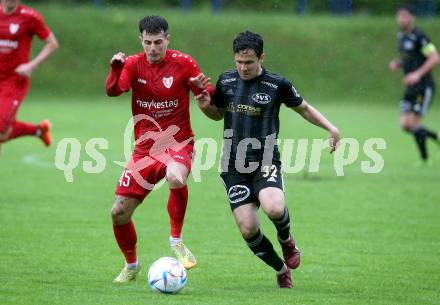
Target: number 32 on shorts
269,170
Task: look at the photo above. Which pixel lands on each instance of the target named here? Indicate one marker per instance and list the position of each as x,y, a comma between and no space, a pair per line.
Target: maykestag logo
157,104
5,43
211,153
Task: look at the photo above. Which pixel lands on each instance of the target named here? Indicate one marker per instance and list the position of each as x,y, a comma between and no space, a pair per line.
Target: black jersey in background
411,47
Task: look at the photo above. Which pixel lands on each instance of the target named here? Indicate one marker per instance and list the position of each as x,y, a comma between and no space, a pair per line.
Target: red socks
126,238
176,209
20,129
126,234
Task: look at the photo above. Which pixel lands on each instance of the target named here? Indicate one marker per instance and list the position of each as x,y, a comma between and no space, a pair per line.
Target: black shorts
244,188
417,99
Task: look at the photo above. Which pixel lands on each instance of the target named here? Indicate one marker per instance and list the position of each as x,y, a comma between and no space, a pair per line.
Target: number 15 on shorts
125,178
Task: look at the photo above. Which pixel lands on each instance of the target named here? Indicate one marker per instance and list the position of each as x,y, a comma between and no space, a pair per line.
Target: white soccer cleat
127,275
184,255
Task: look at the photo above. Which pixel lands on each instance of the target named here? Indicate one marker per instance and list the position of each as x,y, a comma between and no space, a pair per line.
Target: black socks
263,248
283,225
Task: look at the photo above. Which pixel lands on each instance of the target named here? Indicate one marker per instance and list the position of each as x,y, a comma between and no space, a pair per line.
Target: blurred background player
18,25
418,56
249,99
160,80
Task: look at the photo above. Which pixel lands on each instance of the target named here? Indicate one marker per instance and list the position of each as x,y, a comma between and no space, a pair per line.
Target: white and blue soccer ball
167,275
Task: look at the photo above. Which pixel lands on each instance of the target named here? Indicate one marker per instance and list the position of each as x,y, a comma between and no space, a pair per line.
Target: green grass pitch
365,239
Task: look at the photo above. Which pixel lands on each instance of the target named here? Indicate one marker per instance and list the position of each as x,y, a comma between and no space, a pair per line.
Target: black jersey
410,46
252,111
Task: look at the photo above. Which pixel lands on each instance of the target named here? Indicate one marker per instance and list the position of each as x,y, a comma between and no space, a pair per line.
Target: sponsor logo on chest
261,98
8,44
157,104
408,45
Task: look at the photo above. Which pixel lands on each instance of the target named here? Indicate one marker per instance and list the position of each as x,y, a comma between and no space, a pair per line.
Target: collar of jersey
164,60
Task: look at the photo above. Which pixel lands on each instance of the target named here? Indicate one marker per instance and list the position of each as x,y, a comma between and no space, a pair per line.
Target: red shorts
143,172
12,93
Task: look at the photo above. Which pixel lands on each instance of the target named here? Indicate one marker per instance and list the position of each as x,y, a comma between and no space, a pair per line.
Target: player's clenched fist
25,69
118,59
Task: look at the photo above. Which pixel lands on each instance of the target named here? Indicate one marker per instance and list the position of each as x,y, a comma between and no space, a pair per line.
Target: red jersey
160,91
16,32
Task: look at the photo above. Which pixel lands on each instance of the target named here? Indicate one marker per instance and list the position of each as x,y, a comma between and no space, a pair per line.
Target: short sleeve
192,67
219,100
192,70
423,39
39,27
289,95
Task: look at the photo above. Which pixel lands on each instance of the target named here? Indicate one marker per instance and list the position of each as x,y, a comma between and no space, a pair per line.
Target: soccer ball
167,275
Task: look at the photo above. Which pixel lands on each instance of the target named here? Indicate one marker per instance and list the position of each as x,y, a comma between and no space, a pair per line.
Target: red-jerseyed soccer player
18,25
160,80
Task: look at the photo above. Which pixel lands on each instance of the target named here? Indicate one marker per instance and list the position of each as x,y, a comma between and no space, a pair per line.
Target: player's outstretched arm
26,69
204,101
315,117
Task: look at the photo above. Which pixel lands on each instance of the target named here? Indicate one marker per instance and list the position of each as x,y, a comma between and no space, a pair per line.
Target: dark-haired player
160,80
249,98
18,25
418,56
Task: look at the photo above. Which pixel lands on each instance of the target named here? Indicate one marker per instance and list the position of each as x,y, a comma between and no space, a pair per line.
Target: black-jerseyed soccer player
418,56
249,99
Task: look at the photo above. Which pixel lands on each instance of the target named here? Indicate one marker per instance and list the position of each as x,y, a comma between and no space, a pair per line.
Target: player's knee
176,180
3,136
273,204
275,211
118,215
247,230
406,126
